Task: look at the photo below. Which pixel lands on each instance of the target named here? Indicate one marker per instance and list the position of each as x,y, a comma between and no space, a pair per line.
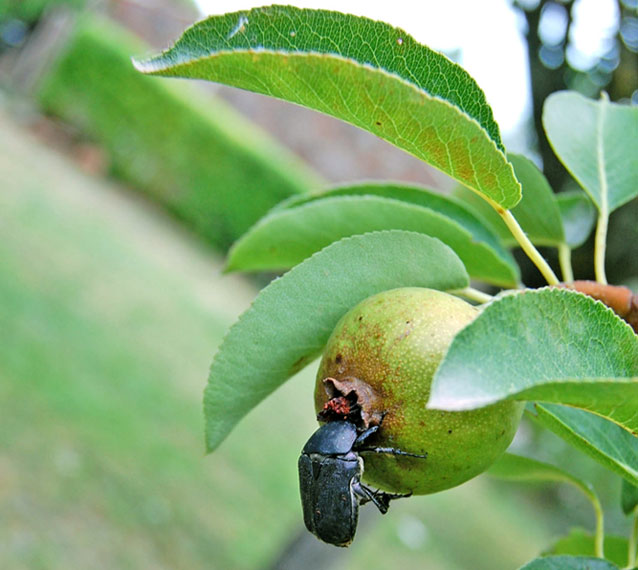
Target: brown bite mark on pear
390,345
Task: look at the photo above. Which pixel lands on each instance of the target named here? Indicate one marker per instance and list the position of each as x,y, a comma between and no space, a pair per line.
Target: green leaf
417,195
291,319
605,442
364,72
569,563
286,237
579,542
628,497
449,206
510,467
547,345
486,213
578,215
537,212
597,142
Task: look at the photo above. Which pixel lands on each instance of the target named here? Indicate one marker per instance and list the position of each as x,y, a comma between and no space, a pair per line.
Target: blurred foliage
556,64
188,151
579,542
108,319
29,11
18,18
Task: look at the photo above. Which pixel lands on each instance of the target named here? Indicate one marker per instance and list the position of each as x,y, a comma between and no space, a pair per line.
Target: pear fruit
380,360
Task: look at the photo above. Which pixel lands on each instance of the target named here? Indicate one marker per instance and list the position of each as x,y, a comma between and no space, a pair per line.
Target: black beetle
330,470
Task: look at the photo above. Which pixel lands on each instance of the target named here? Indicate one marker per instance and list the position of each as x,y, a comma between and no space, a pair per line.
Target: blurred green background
118,196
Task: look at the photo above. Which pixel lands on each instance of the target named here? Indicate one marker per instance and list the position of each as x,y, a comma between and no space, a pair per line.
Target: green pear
383,354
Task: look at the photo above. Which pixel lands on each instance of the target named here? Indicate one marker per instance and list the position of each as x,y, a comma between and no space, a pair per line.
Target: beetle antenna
390,451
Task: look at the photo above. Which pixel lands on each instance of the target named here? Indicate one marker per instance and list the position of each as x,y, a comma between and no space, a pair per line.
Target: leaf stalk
473,295
565,260
633,542
527,246
599,533
599,537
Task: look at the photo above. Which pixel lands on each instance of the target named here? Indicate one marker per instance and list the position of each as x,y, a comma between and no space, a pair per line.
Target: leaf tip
138,63
148,66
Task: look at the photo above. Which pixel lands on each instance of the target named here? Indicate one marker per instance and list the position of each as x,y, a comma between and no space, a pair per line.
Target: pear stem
473,295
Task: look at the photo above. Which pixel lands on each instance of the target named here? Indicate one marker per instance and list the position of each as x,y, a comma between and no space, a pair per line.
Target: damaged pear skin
391,344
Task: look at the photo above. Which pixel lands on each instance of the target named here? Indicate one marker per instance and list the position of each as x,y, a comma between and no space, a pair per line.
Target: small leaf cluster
573,358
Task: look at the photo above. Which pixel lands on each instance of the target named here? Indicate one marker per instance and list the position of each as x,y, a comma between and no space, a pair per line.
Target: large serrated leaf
597,142
288,236
607,443
569,563
548,345
364,72
290,320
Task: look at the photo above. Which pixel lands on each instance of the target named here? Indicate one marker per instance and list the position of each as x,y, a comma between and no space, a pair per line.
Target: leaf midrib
600,159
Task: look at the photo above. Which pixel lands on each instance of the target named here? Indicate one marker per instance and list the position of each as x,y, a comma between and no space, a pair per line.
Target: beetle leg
380,499
390,451
364,435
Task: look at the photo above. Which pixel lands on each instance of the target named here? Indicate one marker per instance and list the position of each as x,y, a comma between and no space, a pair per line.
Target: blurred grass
109,317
